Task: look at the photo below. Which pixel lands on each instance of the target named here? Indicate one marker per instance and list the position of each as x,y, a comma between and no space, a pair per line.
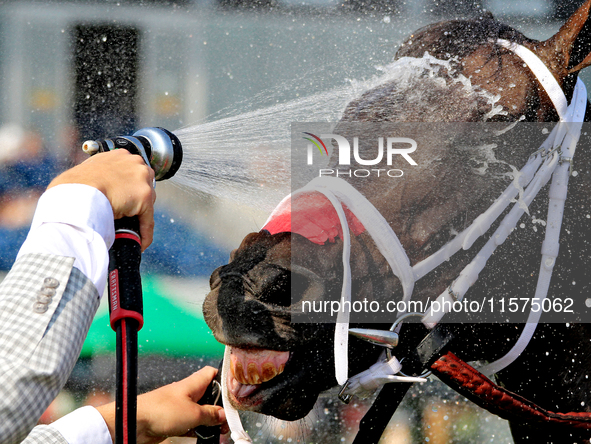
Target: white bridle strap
340,192
341,334
238,435
482,223
573,117
376,225
557,194
542,73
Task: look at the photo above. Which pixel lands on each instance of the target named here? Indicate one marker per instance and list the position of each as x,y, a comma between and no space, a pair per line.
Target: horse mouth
253,375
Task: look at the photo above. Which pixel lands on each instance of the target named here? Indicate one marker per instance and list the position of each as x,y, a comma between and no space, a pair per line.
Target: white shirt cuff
74,220
85,425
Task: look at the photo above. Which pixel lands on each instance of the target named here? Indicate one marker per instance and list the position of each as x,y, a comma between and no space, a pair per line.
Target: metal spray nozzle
159,148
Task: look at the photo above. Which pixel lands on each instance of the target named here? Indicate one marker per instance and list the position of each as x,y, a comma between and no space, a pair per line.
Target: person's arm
74,217
46,307
46,301
74,220
169,411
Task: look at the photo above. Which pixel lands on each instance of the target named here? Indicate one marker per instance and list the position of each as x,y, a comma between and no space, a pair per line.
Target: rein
552,160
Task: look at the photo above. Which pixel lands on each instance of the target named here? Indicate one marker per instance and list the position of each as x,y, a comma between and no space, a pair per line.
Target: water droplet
387,19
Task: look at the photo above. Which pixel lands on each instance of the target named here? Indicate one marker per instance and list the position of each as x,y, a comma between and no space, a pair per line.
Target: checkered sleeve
46,307
43,434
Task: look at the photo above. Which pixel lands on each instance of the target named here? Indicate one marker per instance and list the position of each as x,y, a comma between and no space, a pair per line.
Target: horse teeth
255,367
253,376
238,373
269,371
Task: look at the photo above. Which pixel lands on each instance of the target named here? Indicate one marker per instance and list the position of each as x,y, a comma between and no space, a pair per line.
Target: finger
211,415
224,428
147,227
146,216
199,381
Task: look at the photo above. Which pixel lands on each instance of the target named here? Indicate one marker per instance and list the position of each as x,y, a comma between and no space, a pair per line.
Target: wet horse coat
279,368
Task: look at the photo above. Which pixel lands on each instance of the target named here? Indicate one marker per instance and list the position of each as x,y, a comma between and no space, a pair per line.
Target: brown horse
279,368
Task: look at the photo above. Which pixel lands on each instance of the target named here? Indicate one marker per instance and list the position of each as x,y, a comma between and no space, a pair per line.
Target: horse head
459,70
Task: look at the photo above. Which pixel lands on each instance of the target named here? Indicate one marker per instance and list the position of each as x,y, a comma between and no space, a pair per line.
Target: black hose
126,382
126,308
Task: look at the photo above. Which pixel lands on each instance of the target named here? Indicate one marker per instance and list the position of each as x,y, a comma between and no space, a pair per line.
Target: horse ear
569,50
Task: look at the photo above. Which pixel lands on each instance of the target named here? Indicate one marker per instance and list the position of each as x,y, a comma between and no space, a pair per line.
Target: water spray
162,151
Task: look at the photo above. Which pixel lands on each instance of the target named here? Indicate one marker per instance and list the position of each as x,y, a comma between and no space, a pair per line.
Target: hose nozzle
159,148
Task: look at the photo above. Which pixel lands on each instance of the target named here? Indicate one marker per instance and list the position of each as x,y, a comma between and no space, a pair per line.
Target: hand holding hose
172,410
125,180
